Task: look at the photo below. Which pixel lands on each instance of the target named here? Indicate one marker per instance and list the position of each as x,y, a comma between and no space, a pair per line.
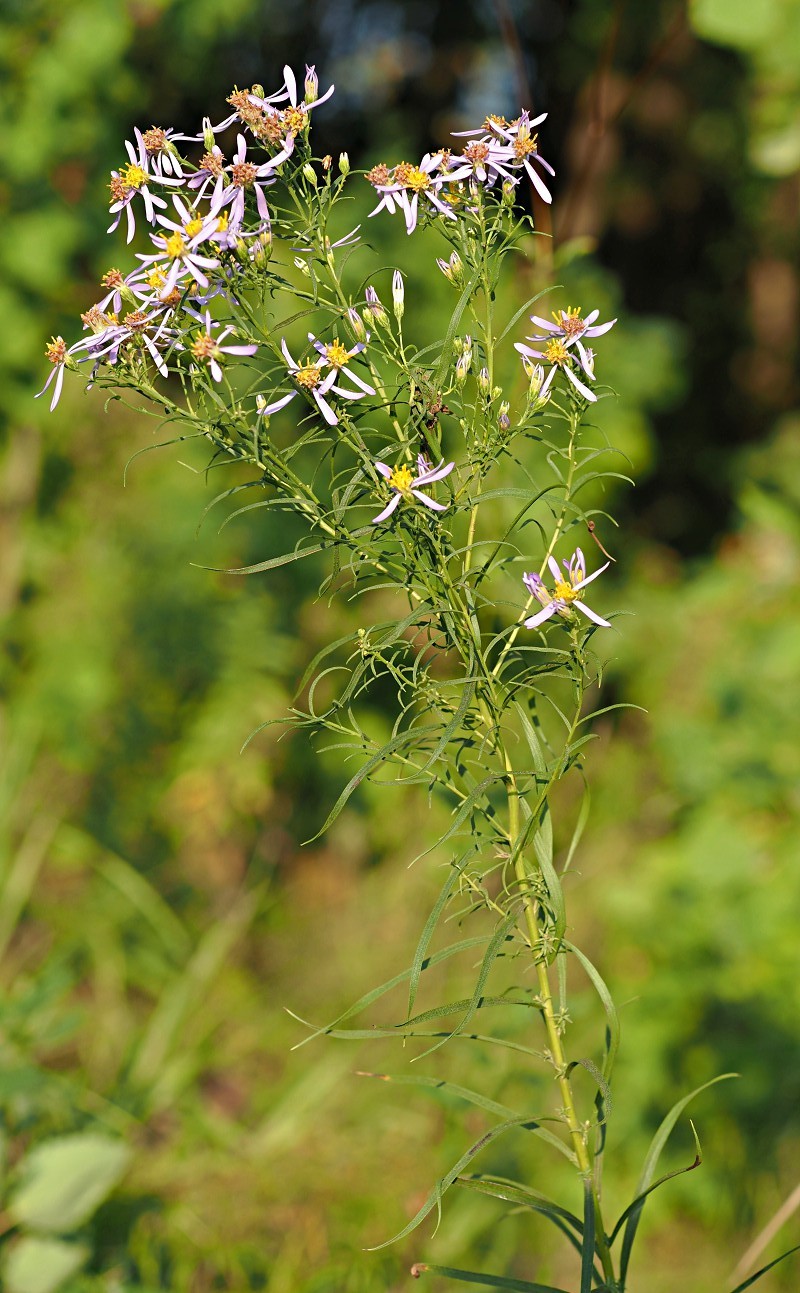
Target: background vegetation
157,911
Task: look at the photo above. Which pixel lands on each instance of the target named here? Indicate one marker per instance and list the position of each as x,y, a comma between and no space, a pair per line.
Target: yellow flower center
193,227
336,354
222,223
294,119
56,350
565,592
401,479
156,279
307,377
133,177
411,177
175,246
570,320
555,352
204,347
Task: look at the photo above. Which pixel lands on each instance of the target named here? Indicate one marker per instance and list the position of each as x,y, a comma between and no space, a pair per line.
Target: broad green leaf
36,1265
65,1180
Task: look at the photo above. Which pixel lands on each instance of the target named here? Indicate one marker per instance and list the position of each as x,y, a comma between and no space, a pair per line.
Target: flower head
405,484
566,593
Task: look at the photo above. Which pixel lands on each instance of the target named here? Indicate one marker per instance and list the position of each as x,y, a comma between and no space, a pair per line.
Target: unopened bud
356,323
262,248
453,269
508,193
311,84
374,309
503,420
208,135
327,163
398,294
310,174
344,164
257,90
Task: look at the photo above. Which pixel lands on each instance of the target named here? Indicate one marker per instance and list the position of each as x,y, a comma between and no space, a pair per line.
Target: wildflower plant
444,488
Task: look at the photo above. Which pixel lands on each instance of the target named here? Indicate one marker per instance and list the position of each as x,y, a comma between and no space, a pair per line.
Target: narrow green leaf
488,1281
496,942
668,1176
456,870
408,737
587,1247
447,1088
373,995
524,1196
580,826
612,1018
752,1279
434,1199
648,1171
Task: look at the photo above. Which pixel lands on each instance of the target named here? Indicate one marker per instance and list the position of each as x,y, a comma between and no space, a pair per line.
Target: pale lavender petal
597,619
538,184
535,620
429,502
387,511
543,323
279,404
589,578
291,85
579,386
554,568
325,408
379,466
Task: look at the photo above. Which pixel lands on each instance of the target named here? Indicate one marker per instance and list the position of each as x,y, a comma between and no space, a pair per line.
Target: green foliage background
157,911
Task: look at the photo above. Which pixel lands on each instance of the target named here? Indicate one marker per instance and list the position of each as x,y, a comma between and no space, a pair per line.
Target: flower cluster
204,219
499,151
210,221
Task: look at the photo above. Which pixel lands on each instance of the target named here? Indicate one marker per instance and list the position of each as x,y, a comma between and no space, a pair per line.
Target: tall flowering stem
461,478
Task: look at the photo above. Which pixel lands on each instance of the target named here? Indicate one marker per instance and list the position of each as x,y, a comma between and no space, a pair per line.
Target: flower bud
262,248
375,309
327,163
508,193
503,420
483,380
356,323
257,90
311,84
344,165
310,174
398,294
453,269
208,135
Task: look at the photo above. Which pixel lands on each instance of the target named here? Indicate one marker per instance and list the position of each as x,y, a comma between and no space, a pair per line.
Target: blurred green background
157,911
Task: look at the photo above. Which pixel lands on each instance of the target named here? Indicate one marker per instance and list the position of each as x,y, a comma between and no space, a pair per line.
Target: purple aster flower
138,329
208,349
524,149
61,358
160,147
337,357
309,379
245,175
136,178
566,592
405,483
181,246
484,161
567,331
404,185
